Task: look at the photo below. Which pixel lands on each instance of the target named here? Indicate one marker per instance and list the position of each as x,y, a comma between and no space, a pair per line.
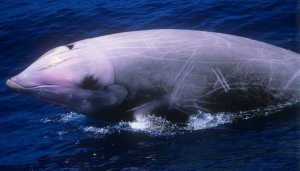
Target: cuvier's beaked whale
163,72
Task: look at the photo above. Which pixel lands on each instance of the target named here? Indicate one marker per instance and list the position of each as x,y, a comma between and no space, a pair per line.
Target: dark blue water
39,136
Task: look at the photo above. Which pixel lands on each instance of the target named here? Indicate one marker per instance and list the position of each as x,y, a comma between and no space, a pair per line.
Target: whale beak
12,85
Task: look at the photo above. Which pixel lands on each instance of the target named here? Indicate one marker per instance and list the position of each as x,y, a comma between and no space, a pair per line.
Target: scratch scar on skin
222,80
55,64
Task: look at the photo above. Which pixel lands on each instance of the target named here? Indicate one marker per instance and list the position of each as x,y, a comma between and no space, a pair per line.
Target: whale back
203,70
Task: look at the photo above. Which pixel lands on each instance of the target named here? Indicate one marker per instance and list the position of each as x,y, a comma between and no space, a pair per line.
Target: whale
165,72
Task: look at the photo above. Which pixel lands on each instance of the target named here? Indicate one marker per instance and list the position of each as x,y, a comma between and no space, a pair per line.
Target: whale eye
89,83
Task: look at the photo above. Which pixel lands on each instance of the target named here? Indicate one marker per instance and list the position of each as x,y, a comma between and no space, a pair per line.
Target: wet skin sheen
173,73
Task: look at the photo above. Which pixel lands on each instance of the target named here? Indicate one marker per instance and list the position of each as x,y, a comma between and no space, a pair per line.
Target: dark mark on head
89,83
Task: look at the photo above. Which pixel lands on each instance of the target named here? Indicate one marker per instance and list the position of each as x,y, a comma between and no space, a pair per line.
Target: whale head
73,76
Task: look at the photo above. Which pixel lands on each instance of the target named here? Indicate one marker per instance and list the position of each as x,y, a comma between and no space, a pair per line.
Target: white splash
46,120
206,120
70,117
64,118
141,123
151,123
198,121
96,130
61,133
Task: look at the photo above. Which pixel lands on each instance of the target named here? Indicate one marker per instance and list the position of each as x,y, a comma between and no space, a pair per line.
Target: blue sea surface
39,136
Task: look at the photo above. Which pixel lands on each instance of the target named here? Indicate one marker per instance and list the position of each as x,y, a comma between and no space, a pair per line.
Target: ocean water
35,135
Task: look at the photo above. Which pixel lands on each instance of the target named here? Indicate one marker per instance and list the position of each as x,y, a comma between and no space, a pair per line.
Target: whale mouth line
13,85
